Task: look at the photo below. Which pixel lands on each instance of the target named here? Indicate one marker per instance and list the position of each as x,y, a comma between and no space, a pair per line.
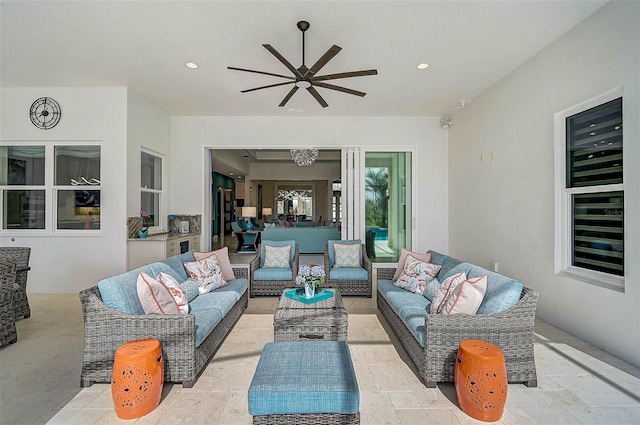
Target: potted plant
311,276
144,230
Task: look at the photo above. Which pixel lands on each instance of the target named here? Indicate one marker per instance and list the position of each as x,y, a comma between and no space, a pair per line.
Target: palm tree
376,186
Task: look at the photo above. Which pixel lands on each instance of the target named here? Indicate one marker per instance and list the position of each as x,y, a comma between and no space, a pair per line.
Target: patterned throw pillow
403,258
176,291
347,255
207,273
416,274
466,297
445,289
277,257
154,296
222,255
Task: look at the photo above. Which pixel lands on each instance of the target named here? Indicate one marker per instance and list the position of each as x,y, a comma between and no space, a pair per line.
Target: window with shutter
590,192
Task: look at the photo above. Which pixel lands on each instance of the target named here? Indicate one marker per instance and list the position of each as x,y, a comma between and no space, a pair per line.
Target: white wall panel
502,184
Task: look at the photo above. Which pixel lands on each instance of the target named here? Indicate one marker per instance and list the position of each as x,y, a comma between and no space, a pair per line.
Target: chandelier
292,194
304,157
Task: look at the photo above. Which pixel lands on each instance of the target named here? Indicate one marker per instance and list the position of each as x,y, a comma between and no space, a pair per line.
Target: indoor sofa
113,315
505,318
311,239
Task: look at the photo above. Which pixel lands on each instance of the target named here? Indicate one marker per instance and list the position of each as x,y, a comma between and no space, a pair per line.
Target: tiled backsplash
135,223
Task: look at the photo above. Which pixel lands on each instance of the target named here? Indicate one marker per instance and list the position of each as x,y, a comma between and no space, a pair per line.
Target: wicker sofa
8,332
188,341
432,340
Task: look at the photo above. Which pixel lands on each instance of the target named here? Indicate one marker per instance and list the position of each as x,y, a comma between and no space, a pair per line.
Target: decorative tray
298,295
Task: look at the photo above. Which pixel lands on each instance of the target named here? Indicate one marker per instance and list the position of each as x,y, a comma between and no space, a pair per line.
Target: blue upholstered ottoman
310,382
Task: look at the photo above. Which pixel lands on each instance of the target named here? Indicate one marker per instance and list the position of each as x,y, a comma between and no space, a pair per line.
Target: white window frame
160,192
563,196
51,192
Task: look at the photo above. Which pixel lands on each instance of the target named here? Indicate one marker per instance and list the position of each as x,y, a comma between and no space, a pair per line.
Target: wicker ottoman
306,382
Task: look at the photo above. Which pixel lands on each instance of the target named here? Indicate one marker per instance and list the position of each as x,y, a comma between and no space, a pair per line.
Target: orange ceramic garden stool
136,381
481,380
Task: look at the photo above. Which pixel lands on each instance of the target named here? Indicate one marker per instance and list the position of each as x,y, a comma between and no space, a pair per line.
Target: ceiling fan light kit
306,78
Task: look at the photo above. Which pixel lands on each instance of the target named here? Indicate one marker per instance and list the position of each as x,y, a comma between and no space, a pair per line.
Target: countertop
164,236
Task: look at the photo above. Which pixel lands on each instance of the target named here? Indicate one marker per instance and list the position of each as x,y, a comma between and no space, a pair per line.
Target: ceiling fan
306,78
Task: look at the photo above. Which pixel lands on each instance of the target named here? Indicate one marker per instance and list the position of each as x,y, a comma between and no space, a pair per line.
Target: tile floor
40,374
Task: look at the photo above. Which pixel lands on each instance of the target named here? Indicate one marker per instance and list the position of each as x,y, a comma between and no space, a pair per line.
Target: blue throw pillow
431,289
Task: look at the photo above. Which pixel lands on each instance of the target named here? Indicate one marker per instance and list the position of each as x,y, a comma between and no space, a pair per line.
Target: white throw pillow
403,257
222,255
154,296
416,274
445,289
207,273
466,297
176,291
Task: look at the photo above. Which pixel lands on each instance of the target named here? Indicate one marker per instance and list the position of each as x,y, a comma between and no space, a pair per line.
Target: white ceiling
144,45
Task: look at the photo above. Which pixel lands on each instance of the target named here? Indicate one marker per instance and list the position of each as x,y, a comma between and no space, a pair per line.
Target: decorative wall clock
45,113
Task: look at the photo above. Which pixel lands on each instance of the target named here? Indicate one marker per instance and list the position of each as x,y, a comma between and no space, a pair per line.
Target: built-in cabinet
155,248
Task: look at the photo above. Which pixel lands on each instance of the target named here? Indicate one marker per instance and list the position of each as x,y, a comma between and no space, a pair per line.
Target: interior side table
324,320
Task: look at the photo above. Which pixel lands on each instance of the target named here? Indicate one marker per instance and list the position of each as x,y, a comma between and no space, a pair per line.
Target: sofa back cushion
502,292
177,263
120,292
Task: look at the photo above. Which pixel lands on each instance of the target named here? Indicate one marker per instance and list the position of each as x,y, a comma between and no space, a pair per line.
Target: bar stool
481,380
136,381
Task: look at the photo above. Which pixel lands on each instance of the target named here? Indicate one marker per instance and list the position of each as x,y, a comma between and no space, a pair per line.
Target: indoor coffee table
301,321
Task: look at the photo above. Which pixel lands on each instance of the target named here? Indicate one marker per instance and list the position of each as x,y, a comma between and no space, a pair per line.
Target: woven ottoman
306,382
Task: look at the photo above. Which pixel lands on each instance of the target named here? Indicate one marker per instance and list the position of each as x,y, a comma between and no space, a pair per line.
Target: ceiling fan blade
333,50
319,98
338,88
345,75
288,96
288,77
266,87
281,58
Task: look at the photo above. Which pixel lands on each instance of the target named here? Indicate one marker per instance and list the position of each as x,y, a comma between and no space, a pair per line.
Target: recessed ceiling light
231,174
423,65
239,177
191,65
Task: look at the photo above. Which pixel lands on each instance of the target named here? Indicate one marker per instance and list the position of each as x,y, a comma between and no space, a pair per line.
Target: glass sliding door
388,204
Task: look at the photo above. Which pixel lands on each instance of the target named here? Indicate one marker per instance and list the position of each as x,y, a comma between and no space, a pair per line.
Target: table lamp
248,212
266,213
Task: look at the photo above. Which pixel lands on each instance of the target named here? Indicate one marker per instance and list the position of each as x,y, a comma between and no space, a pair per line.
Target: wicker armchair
20,255
8,333
349,287
511,330
260,286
